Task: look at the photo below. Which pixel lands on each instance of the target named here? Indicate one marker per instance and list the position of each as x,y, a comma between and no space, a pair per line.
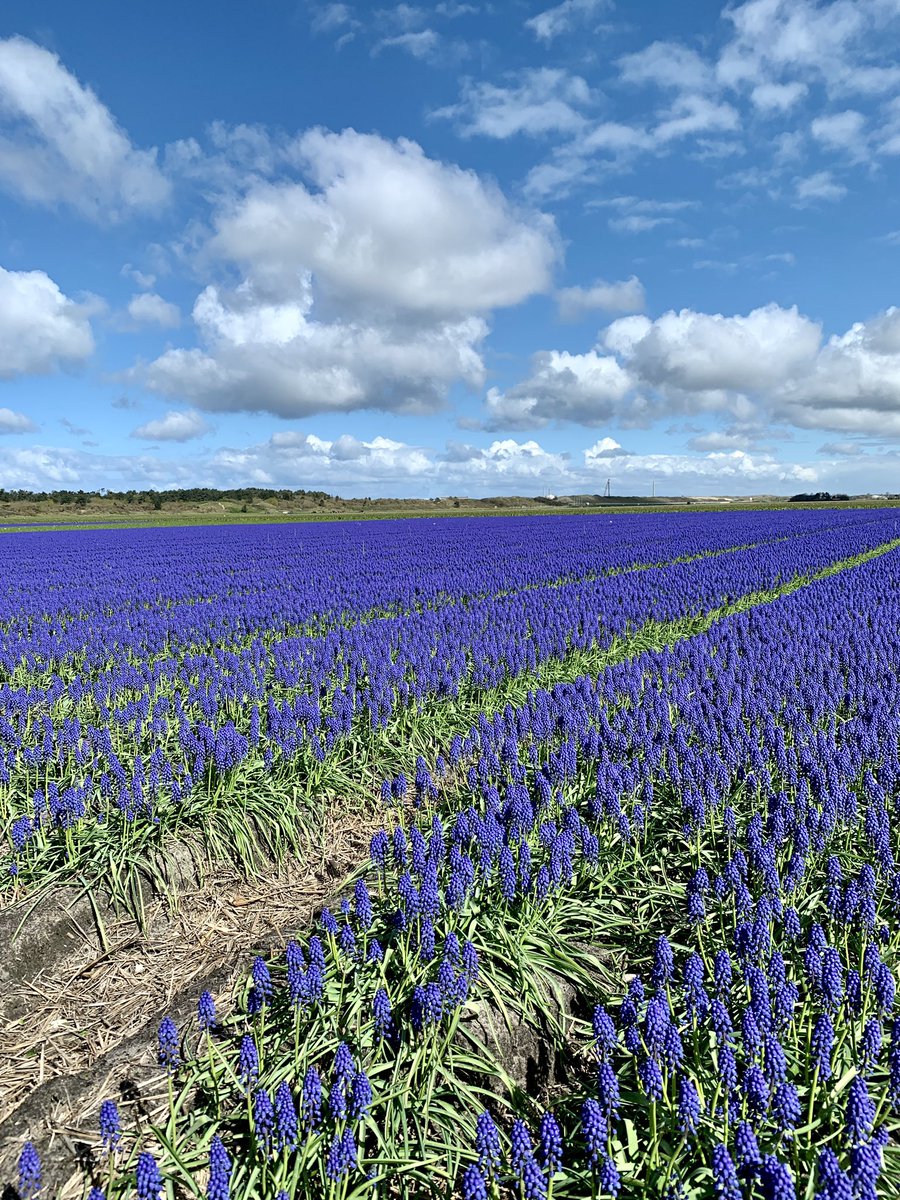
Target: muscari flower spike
487,1144
110,1125
148,1180
206,1010
218,1186
29,1171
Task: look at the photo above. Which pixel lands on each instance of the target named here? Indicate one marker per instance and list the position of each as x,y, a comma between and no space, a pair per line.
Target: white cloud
692,114
327,18
719,439
390,227
504,466
140,278
351,465
699,352
15,422
173,427
667,65
841,131
383,466
60,145
402,16
625,296
590,389
638,223
271,357
370,291
147,308
819,186
832,43
590,154
854,386
768,366
422,43
546,101
726,469
777,97
563,18
40,327
642,204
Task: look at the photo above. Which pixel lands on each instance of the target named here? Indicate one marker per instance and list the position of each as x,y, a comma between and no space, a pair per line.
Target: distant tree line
818,497
175,495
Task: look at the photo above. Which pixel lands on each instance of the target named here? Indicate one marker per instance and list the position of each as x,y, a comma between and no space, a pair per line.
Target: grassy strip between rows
255,814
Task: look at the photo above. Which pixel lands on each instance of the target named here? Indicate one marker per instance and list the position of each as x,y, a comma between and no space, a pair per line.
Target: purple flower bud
148,1181
167,1044
29,1171
219,1185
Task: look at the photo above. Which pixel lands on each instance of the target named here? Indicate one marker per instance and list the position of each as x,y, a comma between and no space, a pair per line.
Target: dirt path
84,1026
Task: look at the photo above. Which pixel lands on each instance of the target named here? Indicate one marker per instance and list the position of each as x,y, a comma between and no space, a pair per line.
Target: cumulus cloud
828,43
388,226
272,357
421,43
40,327
384,466
173,427
840,131
60,145
15,422
563,18
147,308
854,385
667,65
329,18
691,114
505,466
547,100
777,56
777,97
819,186
770,364
625,296
368,289
590,389
50,467
617,143
703,352
723,468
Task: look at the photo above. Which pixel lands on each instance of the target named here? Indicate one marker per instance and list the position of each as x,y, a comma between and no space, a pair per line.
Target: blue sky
456,248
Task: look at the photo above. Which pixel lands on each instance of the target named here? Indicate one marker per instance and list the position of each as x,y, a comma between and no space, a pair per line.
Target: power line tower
606,491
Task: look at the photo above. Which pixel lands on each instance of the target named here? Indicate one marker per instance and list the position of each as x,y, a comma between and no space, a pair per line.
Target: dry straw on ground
82,1013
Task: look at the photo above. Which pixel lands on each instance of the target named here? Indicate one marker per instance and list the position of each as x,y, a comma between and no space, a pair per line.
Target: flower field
629,921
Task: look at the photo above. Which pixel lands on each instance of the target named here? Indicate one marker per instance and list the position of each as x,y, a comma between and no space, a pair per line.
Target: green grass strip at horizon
348,619
162,521
270,802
